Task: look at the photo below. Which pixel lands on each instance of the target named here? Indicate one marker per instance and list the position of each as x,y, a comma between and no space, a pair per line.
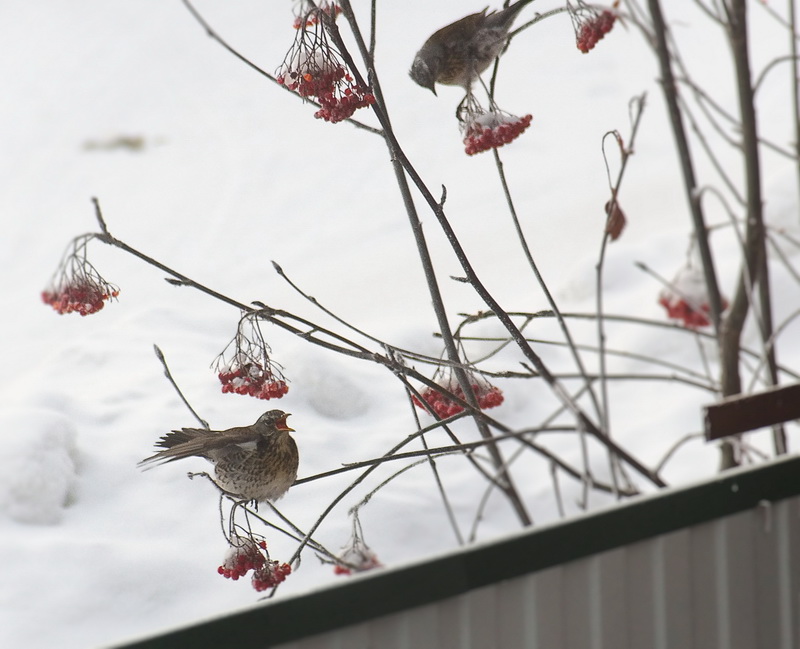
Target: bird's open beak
281,425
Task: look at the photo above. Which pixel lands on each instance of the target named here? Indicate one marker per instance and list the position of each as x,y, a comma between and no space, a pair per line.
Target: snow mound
331,393
39,468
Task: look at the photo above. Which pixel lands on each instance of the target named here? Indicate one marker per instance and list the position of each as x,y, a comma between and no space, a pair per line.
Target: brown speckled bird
456,54
254,463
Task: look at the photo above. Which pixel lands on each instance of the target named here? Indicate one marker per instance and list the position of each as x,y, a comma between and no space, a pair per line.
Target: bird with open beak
252,463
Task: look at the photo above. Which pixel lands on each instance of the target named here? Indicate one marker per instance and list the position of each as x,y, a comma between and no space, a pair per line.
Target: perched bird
459,52
257,462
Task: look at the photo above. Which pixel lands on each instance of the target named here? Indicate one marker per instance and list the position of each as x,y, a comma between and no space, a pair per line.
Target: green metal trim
389,591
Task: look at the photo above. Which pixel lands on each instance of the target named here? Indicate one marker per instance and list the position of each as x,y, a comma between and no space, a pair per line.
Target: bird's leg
243,504
492,104
468,108
232,525
460,108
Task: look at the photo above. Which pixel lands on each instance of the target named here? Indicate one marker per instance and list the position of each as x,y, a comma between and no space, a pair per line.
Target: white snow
228,172
40,460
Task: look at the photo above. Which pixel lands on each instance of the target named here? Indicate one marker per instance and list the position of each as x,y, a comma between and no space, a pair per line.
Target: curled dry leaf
616,220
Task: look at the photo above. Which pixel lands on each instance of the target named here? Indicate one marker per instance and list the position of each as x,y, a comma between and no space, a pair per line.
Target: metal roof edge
390,590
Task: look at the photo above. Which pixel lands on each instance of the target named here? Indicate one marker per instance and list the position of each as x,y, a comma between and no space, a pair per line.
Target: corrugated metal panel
731,583
710,566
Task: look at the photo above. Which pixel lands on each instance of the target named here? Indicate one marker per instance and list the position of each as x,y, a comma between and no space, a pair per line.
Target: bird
459,52
255,463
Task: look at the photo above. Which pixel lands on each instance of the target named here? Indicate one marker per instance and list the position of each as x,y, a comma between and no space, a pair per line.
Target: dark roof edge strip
387,591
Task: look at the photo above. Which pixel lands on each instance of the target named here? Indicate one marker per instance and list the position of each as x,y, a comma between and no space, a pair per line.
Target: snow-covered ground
227,173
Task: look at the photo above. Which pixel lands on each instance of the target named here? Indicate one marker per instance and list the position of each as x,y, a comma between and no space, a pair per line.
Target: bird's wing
241,435
187,442
464,28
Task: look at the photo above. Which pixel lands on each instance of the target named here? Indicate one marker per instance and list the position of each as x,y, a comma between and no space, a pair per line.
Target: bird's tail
178,444
505,17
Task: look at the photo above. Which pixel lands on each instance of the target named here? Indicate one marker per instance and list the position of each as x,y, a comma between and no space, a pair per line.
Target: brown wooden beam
744,412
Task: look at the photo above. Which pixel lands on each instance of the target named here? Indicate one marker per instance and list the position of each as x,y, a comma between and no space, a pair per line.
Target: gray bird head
274,420
424,70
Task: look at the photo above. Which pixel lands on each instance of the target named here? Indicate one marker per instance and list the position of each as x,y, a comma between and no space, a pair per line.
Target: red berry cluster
591,31
488,396
358,558
686,298
499,130
692,316
270,575
253,380
679,309
339,96
76,286
312,82
243,557
314,68
342,101
85,297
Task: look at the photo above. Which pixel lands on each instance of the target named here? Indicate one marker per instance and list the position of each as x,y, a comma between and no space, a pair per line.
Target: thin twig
543,286
671,451
354,509
557,490
612,207
710,153
296,534
795,84
662,324
168,374
453,449
406,353
652,360
451,516
792,58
